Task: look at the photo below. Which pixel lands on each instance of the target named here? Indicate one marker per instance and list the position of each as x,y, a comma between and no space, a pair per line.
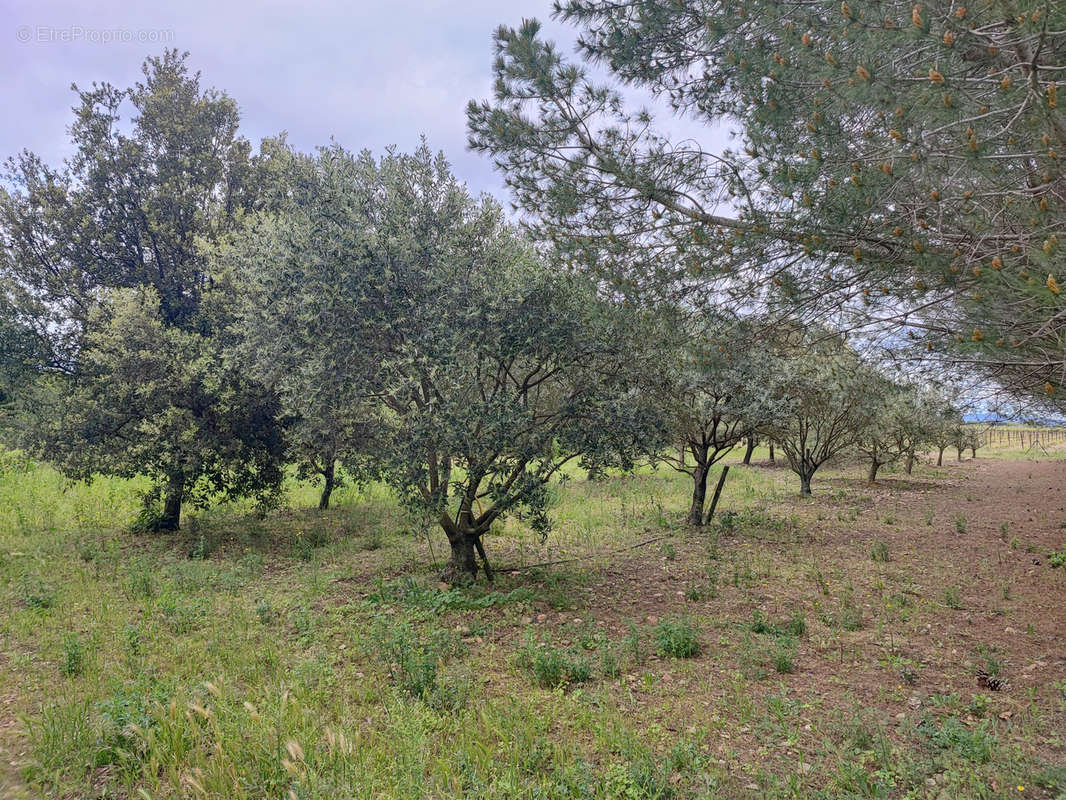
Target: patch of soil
956,595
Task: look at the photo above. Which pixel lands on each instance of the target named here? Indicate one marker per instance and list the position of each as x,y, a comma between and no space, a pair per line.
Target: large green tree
490,371
132,210
304,270
899,160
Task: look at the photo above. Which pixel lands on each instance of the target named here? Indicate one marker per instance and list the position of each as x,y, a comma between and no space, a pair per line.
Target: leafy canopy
387,285
896,160
104,260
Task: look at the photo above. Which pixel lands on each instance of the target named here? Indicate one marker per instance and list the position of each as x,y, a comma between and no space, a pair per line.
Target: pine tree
899,160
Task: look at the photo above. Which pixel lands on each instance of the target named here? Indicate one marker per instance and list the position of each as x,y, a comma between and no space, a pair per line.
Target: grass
315,655
677,638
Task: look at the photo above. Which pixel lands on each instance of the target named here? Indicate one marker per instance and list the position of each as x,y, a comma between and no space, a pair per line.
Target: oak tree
118,233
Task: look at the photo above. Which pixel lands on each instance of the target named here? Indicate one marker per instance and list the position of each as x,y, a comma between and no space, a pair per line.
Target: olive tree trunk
717,492
329,478
463,563
871,476
750,449
804,466
699,494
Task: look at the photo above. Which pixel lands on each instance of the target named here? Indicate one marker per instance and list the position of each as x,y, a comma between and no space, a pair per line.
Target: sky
368,74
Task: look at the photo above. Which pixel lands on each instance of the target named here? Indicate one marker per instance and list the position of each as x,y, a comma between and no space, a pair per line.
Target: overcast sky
368,74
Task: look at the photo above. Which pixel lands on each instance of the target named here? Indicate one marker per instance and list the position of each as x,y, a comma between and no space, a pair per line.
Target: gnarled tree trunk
463,563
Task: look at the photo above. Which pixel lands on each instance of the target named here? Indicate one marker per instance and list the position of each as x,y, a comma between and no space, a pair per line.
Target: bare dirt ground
966,617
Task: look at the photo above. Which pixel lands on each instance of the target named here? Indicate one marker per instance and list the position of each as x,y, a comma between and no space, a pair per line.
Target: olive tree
966,436
824,390
878,441
491,371
913,420
899,427
300,330
716,396
942,428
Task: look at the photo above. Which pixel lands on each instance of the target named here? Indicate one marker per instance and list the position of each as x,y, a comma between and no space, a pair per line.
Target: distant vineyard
1016,436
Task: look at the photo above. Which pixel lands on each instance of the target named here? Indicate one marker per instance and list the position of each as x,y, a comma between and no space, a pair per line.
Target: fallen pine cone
993,683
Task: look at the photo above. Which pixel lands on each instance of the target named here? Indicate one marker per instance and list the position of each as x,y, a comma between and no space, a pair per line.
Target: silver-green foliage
386,292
